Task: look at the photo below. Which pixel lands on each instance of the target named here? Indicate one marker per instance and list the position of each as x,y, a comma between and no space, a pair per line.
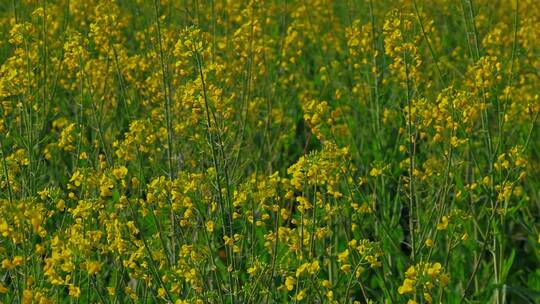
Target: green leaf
508,265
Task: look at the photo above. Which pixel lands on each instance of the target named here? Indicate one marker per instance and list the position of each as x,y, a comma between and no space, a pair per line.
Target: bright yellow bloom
210,225
407,287
74,291
289,283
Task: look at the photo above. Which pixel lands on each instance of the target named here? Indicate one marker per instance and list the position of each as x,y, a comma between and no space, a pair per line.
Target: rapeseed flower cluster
269,151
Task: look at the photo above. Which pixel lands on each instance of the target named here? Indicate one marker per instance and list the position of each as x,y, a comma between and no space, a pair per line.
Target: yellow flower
434,270
120,172
161,292
6,264
444,279
428,297
83,156
407,287
252,270
301,269
4,228
17,260
301,295
210,225
132,294
330,294
289,283
346,268
359,271
111,291
74,291
93,267
314,267
411,272
27,296
342,257
105,190
375,172
61,204
443,224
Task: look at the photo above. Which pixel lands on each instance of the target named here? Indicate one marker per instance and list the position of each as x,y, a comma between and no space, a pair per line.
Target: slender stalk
167,92
228,220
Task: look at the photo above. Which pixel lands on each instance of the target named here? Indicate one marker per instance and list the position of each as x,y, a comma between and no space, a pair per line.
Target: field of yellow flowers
269,151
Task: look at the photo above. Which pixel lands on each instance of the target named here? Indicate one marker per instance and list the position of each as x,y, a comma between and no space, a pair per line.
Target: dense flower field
269,151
